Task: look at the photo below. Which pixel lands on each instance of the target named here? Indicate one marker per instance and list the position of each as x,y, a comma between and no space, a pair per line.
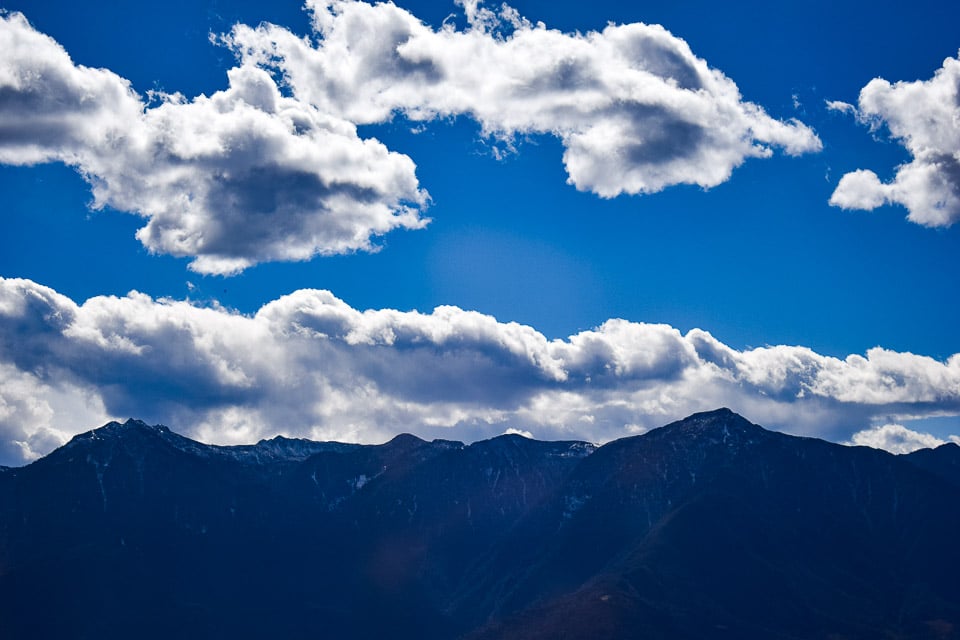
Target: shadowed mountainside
710,527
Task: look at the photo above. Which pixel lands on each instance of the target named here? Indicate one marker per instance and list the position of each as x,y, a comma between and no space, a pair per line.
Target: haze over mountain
710,527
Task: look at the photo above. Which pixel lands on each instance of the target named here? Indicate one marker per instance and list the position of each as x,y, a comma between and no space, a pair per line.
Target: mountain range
709,527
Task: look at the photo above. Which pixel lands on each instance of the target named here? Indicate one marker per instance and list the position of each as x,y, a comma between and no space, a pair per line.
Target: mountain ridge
708,527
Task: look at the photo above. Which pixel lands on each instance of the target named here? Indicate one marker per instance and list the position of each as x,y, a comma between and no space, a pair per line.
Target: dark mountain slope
132,524
710,527
713,527
943,462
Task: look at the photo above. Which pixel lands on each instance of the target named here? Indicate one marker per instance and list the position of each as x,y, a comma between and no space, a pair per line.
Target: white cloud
896,438
243,176
635,109
843,107
38,416
253,174
51,109
309,365
924,116
860,189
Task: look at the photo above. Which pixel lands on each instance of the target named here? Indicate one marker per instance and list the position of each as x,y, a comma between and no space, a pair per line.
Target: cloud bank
309,365
272,168
923,116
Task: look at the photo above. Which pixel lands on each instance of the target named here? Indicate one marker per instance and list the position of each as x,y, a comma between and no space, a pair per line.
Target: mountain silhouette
710,527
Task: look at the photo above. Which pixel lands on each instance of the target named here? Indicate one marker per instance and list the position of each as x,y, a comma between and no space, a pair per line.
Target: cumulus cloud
51,109
310,365
272,167
635,109
924,116
246,175
896,438
37,416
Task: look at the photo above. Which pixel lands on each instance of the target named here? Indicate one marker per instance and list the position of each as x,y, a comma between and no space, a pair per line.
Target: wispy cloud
924,116
308,364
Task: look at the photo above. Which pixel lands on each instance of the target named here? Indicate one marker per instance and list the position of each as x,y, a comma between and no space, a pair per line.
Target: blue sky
759,259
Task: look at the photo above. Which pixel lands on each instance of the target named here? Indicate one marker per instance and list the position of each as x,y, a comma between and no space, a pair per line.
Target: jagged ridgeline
711,527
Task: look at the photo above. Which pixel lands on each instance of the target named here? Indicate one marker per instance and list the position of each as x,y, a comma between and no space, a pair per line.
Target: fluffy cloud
51,109
309,365
924,116
38,416
243,176
896,438
635,109
253,174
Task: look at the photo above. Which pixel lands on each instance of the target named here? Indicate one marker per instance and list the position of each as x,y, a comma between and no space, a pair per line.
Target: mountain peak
132,436
720,425
282,441
718,418
115,429
405,441
722,413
